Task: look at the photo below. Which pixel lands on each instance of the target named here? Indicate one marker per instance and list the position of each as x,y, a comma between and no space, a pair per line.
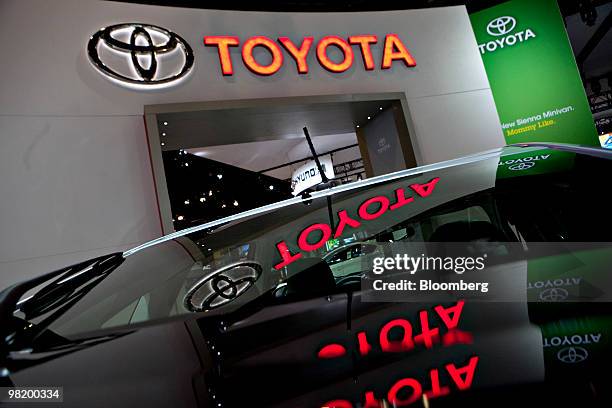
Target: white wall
75,175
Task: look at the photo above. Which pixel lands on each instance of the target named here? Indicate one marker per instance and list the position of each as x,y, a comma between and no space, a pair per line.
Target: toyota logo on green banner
532,73
502,28
501,25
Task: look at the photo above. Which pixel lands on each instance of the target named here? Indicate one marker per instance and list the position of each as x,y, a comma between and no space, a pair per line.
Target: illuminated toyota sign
394,49
146,56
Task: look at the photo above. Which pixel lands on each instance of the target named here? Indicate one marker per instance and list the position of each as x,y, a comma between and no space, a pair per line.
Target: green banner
533,74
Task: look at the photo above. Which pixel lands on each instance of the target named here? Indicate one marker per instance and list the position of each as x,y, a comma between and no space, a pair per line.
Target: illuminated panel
425,189
333,350
428,336
463,376
338,404
298,54
364,42
450,315
303,238
256,67
457,337
406,344
409,387
286,255
383,203
329,64
345,220
401,199
364,346
223,43
406,391
396,50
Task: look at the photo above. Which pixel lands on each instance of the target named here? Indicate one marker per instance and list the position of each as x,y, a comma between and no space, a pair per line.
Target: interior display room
77,177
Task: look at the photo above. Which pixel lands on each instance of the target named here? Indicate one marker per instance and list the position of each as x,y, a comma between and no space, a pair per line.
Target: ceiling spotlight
369,117
202,199
186,201
163,144
180,218
210,193
186,164
271,187
380,108
223,206
219,176
165,123
357,126
163,133
235,203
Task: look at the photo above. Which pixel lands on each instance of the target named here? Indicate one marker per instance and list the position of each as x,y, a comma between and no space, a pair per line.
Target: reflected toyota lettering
407,391
369,210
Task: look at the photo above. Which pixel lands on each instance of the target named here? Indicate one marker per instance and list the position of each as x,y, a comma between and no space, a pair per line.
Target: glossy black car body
210,316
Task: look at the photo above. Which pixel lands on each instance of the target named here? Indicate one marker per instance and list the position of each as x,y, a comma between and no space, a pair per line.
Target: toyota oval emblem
522,166
572,355
501,25
140,54
222,286
554,295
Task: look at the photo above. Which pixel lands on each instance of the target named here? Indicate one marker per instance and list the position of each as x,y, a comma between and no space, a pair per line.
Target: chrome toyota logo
522,166
140,54
501,25
222,286
572,355
554,295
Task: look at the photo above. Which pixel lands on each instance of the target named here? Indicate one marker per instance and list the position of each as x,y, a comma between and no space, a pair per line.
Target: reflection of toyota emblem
522,166
501,25
572,355
554,295
222,286
141,54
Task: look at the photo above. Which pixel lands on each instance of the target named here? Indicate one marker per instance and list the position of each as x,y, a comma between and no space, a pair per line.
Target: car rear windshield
518,195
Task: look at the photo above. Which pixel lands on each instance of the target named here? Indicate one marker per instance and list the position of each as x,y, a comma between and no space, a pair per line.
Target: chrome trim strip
66,279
